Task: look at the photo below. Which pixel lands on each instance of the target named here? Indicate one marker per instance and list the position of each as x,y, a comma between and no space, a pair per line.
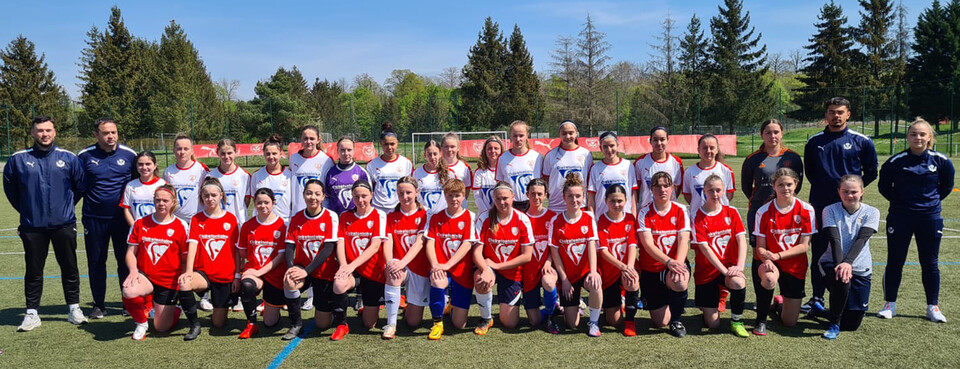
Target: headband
503,186
659,128
606,134
386,134
568,121
168,191
363,184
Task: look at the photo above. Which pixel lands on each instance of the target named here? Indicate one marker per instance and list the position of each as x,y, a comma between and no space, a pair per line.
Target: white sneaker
76,317
140,332
307,304
934,314
238,306
30,321
889,310
205,305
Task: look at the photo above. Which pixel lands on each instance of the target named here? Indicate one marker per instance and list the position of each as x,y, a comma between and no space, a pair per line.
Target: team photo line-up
546,228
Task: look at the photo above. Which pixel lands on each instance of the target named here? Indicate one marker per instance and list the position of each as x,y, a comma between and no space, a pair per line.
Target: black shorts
322,293
164,296
371,292
574,299
219,292
612,295
790,287
508,290
273,295
532,299
653,288
708,294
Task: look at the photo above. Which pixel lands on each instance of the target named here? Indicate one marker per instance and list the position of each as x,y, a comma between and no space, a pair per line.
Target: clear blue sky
248,40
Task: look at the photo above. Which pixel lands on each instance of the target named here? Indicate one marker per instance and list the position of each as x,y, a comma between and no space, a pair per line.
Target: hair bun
387,126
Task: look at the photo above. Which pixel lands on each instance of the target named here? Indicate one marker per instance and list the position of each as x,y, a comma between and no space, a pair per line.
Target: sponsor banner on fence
210,151
362,151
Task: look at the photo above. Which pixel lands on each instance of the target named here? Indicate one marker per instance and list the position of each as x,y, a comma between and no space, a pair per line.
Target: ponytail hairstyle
166,187
492,213
149,154
453,136
572,180
482,161
719,156
614,189
184,136
274,140
214,182
522,125
442,171
386,131
764,127
416,186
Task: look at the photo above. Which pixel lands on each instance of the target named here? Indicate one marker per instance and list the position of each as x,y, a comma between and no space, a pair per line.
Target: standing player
450,147
137,200
618,257
109,166
485,177
783,228
658,160
432,176
275,177
539,271
450,235
386,169
664,228
567,158
827,156
185,176
234,179
405,258
520,164
759,166
915,181
612,170
261,244
711,162
308,163
721,255
573,235
341,177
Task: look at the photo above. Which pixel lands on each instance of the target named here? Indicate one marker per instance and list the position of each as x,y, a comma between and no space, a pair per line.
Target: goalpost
417,139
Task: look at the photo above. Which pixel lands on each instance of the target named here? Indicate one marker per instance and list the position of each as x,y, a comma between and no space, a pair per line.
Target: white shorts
418,289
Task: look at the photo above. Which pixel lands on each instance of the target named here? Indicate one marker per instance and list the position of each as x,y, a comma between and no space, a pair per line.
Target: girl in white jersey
485,177
137,199
711,162
520,164
308,163
235,180
386,169
275,177
658,160
431,176
612,170
185,176
451,158
569,157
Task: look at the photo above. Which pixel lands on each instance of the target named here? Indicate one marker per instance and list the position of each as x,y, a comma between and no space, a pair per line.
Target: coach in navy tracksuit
828,156
44,183
915,181
108,166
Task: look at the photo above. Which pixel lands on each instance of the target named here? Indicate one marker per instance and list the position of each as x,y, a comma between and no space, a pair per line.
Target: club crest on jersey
226,226
276,234
514,230
355,177
576,252
847,146
156,251
933,168
236,183
214,247
583,229
193,178
460,225
323,227
796,219
317,166
673,220
121,162
889,229
369,224
60,163
169,233
726,220
417,221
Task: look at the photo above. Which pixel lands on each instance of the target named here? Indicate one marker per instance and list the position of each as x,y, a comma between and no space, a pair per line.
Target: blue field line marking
277,360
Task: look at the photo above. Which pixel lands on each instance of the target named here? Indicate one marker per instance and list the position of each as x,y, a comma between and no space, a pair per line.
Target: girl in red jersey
311,237
362,230
261,244
450,235
664,228
573,237
539,271
783,228
405,261
618,257
505,244
721,254
155,255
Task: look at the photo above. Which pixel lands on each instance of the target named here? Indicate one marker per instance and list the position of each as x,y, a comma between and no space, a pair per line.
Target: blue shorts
532,299
460,296
508,290
859,297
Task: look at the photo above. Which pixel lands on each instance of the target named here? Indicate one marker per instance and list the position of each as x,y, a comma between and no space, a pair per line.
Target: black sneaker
292,333
811,305
551,326
193,333
96,313
677,329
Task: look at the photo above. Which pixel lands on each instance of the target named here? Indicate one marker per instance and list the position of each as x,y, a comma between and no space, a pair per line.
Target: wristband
236,275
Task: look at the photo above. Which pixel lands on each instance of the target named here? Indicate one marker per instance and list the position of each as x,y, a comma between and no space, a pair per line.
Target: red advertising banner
362,151
210,151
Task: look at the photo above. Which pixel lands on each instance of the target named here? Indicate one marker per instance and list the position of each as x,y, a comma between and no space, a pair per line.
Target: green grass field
908,340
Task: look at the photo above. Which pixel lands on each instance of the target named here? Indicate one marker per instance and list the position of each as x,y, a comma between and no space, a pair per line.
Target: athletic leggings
928,230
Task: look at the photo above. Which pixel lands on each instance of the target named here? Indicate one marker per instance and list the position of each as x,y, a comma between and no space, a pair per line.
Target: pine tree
521,85
562,75
482,88
876,21
934,64
693,63
592,87
28,88
830,63
665,95
278,106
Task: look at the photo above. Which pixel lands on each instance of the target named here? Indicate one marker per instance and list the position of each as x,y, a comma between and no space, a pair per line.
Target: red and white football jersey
449,234
358,233
532,271
617,237
782,228
694,178
645,167
572,237
507,242
308,234
160,247
403,229
719,232
216,240
666,227
264,243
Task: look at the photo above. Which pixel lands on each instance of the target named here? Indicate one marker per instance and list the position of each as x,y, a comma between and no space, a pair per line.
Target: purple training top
339,181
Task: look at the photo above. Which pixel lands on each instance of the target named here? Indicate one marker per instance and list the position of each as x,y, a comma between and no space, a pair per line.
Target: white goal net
419,139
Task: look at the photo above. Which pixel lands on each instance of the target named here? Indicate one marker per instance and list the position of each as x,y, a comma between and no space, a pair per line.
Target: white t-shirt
281,184
848,225
693,183
431,190
463,172
138,197
603,176
483,182
187,182
518,171
559,162
383,177
645,167
304,169
236,186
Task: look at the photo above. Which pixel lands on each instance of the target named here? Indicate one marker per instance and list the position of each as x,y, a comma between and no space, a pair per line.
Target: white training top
383,177
518,171
645,167
603,176
463,172
559,162
281,185
431,190
187,182
236,187
848,225
304,169
483,182
693,179
138,197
